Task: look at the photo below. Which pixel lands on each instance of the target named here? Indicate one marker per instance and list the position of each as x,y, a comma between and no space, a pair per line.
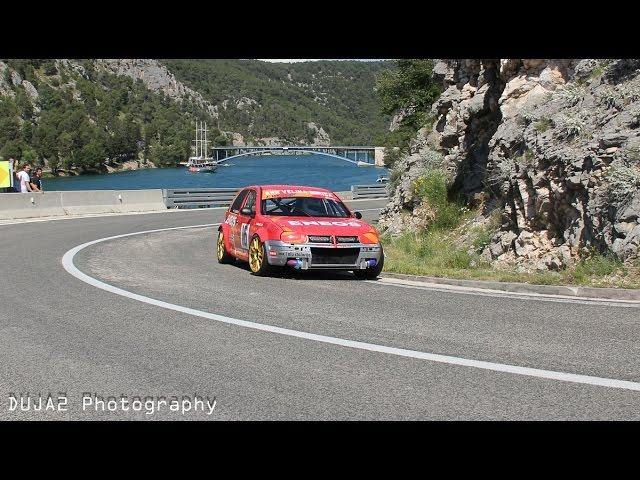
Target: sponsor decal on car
326,223
231,220
275,193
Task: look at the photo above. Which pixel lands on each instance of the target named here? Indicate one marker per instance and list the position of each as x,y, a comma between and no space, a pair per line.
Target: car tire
373,272
221,250
258,263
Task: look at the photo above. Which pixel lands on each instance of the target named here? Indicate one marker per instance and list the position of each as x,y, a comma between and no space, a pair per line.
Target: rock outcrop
554,144
320,137
157,78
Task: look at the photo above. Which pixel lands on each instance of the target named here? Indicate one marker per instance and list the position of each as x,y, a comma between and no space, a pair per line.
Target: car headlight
293,237
371,236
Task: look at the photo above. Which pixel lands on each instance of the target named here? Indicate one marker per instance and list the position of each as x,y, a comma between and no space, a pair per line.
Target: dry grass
443,253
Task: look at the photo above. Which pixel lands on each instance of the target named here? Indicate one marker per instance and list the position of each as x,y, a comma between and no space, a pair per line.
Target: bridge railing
376,190
198,197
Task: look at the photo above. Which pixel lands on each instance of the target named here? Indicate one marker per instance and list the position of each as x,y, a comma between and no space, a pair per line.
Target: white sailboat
200,163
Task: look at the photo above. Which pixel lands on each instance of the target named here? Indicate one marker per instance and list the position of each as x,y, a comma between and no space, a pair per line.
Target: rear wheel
258,258
221,250
371,273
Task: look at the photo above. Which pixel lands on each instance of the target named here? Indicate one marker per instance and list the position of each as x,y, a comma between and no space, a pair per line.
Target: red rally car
273,226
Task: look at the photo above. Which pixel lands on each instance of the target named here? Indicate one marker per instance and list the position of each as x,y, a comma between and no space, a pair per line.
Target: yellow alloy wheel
256,255
221,251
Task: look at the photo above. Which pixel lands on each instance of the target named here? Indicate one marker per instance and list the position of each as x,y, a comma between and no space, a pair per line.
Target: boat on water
200,163
382,179
197,165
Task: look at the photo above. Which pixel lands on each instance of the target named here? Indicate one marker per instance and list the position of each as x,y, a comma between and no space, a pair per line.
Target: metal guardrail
198,197
218,197
376,190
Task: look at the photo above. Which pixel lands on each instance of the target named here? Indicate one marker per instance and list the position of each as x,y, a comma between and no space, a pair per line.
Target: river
312,170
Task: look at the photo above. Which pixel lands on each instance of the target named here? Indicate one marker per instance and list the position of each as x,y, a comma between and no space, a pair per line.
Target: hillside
80,116
276,102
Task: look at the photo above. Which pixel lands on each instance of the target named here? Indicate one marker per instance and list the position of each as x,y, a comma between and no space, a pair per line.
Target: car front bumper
278,253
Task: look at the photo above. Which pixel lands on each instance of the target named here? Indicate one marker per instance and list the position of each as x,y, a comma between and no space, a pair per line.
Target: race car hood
322,225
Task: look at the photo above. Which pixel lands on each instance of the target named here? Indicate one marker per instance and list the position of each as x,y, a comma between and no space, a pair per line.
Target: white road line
485,292
67,262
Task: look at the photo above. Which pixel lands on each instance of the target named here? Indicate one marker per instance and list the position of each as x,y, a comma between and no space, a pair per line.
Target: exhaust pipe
295,263
372,262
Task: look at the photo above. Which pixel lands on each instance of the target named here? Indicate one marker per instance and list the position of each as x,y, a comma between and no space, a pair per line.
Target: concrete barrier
46,204
26,205
142,200
83,202
111,201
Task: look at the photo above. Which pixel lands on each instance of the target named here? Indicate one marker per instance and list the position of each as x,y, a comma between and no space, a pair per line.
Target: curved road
60,334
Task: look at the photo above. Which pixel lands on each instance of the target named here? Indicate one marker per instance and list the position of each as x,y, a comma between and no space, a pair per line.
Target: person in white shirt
24,179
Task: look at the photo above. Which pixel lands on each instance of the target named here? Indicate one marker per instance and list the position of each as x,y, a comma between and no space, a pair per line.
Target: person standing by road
36,180
24,185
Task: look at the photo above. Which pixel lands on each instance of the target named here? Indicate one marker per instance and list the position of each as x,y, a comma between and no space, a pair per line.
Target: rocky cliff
156,78
552,146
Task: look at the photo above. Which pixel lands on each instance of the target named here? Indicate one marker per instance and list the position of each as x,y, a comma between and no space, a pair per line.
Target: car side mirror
246,211
358,215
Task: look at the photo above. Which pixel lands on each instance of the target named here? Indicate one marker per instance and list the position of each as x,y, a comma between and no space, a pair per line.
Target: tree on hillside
92,155
409,84
408,87
12,149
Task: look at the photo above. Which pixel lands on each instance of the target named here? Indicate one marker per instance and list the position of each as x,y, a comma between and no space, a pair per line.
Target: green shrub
527,115
609,97
500,173
570,125
482,237
597,72
623,181
432,187
571,94
635,116
597,265
433,249
543,124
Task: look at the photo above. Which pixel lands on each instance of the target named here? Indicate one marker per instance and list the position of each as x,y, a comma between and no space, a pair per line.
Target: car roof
288,187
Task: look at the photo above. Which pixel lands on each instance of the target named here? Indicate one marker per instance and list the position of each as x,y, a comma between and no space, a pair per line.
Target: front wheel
221,250
258,258
371,273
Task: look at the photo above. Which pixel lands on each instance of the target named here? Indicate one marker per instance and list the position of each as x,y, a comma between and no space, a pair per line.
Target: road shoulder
632,295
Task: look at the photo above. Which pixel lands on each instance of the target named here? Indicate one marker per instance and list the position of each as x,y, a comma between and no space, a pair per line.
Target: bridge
360,156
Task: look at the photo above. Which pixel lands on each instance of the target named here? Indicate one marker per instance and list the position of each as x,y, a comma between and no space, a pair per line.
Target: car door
232,218
244,223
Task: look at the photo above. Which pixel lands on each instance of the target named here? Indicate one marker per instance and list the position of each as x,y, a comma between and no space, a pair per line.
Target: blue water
312,170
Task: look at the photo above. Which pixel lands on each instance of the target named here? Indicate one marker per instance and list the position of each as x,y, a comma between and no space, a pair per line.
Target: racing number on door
244,236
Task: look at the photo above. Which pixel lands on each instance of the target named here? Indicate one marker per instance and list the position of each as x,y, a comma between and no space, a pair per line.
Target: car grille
319,238
334,256
347,239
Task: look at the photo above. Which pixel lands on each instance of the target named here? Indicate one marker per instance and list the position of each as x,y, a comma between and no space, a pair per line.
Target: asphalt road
61,335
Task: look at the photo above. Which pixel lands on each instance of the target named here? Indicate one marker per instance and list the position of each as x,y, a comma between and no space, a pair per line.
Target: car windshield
304,206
